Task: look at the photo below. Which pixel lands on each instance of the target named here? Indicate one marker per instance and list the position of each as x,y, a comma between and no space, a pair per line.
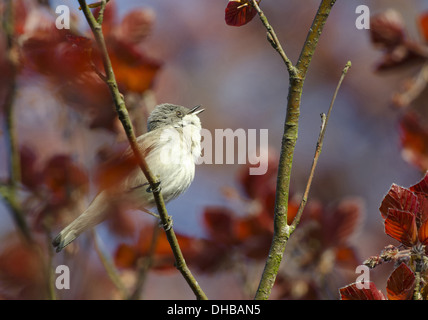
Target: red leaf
421,186
401,225
109,17
135,26
346,256
399,198
112,171
387,29
342,223
352,292
220,224
414,141
423,25
261,186
239,12
401,283
30,176
125,256
62,176
134,70
423,233
422,214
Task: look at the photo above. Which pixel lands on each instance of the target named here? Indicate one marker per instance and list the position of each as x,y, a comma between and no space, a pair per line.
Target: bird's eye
179,114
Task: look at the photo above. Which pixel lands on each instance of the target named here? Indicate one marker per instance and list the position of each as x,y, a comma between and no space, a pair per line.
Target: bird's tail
93,215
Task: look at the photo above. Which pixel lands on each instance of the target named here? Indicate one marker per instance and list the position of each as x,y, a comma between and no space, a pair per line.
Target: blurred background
242,83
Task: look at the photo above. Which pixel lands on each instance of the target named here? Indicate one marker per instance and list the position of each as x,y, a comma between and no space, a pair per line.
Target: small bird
171,148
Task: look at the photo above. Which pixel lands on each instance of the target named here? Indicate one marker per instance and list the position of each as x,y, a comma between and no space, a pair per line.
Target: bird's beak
195,110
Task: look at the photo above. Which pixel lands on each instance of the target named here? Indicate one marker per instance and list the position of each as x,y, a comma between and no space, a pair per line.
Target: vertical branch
109,266
126,123
296,79
9,192
144,264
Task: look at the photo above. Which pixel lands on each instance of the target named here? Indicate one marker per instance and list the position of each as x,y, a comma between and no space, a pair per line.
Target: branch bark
155,185
296,81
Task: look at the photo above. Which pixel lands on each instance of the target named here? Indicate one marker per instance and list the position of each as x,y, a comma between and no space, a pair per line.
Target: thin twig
100,17
112,272
324,122
144,264
127,125
9,191
273,39
288,144
50,273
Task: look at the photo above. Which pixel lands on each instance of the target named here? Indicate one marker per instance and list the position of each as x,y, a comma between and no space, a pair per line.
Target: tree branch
144,264
9,191
324,122
109,266
296,80
153,181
